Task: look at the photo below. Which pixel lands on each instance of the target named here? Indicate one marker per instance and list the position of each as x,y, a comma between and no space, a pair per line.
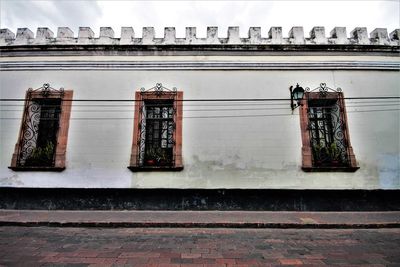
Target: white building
230,124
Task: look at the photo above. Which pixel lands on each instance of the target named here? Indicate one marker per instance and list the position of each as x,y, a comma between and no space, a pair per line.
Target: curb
203,225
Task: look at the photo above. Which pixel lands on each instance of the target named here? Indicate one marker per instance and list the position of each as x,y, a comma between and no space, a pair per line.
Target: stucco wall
236,152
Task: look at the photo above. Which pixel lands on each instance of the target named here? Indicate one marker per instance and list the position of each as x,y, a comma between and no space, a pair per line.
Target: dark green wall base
199,199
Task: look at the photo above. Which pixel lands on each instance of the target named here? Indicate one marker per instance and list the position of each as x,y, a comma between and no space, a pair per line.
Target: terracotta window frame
308,164
140,98
62,133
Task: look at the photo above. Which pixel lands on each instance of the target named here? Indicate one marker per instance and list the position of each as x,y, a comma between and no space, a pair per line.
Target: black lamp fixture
296,94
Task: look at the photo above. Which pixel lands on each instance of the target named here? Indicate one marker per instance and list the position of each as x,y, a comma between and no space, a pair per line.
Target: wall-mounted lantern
296,94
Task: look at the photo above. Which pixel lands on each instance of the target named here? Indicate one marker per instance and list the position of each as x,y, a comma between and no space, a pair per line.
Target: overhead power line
211,117
203,100
377,102
209,110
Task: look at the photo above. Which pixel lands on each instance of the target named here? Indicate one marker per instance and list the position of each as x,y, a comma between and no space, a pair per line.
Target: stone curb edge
254,225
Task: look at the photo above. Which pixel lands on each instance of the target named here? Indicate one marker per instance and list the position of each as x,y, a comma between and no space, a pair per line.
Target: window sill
155,168
45,169
330,169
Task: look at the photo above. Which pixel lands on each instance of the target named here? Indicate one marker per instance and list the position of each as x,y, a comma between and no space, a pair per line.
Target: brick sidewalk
207,219
194,247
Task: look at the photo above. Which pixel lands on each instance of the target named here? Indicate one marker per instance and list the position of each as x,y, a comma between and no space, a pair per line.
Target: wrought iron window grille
327,127
47,90
156,144
40,127
323,90
159,90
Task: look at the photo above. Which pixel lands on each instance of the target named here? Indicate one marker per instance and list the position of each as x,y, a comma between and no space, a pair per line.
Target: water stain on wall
13,180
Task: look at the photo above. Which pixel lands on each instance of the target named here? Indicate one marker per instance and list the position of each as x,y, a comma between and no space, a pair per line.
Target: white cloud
180,14
52,14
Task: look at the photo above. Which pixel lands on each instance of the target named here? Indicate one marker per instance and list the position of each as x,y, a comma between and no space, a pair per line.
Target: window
44,130
157,134
325,136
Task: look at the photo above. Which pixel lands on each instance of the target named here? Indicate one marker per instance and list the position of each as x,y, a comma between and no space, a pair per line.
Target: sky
180,14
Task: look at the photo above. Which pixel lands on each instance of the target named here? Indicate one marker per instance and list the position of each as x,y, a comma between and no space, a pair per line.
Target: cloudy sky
159,14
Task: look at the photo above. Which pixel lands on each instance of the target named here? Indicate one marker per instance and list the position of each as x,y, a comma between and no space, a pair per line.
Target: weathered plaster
13,180
389,175
238,152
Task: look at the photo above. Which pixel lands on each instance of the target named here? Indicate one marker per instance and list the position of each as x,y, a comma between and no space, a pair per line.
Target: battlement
317,36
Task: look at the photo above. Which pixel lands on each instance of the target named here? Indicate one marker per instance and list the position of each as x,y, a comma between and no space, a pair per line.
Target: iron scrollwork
36,110
327,128
30,131
158,89
157,127
142,136
327,136
323,90
46,90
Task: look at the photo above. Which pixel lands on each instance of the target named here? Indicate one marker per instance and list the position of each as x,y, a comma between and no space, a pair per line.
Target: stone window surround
177,150
62,135
305,135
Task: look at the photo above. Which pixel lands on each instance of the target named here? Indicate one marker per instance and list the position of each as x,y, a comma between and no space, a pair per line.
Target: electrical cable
210,110
207,105
211,117
202,100
361,102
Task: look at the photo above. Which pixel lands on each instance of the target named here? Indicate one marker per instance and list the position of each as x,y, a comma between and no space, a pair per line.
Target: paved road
50,246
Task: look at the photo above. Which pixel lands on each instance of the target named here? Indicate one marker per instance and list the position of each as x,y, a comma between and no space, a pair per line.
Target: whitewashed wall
244,152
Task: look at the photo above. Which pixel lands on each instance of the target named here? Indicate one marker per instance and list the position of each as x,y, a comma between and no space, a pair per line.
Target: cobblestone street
49,246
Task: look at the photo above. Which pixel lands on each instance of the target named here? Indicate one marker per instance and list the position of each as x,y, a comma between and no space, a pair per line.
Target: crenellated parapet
86,36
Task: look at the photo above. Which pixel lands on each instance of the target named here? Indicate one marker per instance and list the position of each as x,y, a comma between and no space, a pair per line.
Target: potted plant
156,156
334,153
41,156
151,156
320,154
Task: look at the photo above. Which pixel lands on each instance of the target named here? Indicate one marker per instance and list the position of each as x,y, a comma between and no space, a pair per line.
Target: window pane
158,149
40,130
326,133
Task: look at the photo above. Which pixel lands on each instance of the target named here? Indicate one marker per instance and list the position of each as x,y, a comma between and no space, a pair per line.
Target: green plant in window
157,155
334,152
41,156
319,151
328,154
